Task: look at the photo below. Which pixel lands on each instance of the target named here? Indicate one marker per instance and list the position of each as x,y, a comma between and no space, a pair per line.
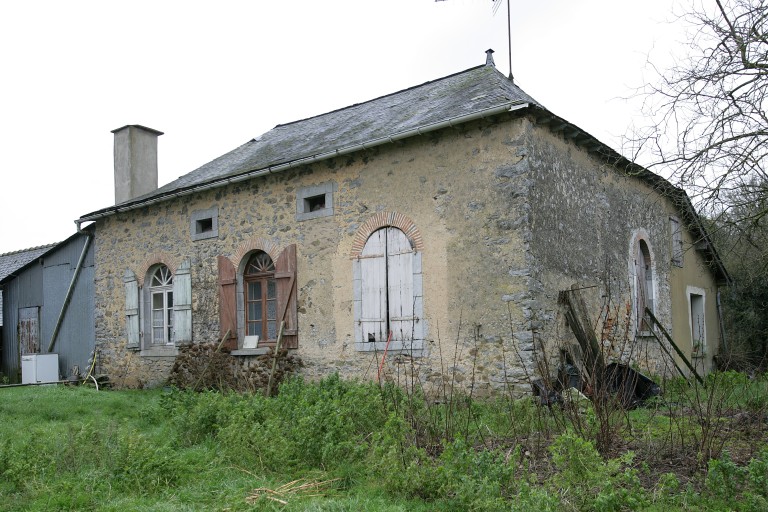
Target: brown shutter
285,274
227,302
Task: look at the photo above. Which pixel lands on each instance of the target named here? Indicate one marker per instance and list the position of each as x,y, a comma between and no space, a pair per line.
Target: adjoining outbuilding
48,309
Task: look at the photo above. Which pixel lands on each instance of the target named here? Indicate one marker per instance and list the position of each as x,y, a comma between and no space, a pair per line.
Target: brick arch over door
386,219
388,302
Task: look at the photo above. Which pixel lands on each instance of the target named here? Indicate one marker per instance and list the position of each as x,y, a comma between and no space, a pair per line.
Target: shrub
588,482
320,425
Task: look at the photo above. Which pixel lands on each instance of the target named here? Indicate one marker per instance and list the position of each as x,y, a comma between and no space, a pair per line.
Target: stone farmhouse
439,223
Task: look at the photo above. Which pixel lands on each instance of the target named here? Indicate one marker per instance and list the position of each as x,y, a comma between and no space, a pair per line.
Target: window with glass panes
260,297
161,297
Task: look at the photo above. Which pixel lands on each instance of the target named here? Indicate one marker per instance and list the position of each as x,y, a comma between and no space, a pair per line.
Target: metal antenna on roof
496,5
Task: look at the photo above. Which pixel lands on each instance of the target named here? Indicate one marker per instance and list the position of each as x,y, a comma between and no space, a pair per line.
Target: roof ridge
379,97
44,246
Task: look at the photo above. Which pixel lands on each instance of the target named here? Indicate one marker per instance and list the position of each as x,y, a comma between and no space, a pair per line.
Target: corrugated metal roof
10,262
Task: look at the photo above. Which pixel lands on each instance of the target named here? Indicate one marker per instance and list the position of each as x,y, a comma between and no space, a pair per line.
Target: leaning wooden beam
578,320
674,345
669,354
268,390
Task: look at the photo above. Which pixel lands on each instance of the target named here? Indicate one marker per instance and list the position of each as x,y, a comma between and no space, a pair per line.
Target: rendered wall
449,184
508,214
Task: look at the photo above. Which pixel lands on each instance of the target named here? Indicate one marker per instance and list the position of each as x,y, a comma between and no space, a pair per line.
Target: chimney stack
135,161
489,57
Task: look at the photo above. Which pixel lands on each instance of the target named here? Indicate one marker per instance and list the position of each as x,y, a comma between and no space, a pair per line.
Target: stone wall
508,215
586,219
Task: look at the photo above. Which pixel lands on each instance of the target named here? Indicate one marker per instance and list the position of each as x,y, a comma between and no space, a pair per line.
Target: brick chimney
135,161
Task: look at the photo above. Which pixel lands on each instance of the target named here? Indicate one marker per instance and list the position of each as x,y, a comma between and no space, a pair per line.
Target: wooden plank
578,320
373,269
400,285
182,305
29,330
674,345
227,302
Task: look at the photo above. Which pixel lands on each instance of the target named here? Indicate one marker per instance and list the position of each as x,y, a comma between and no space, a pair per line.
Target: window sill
250,352
415,347
160,351
317,214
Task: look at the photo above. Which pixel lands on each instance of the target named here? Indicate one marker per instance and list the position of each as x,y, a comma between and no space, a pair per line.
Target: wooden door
29,330
400,285
373,267
386,264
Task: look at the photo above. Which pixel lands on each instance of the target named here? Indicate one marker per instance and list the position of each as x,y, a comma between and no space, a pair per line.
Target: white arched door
386,265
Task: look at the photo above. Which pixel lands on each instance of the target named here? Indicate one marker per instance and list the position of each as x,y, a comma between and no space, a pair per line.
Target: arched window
643,285
257,296
161,305
260,297
158,315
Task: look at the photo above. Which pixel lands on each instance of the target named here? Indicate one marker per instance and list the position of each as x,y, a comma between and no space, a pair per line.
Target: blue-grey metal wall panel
75,339
45,285
25,291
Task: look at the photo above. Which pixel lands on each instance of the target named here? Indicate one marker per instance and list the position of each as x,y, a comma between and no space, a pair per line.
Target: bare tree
708,133
709,130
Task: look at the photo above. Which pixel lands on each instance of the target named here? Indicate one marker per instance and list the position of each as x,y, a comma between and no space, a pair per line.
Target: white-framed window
677,241
161,306
158,314
388,302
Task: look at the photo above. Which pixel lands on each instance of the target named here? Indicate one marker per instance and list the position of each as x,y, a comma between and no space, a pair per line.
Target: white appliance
37,368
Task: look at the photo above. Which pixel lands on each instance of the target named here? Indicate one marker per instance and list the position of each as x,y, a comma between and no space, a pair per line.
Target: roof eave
678,196
237,176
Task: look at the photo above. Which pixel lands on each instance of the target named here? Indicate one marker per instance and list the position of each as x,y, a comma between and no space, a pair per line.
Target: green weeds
78,449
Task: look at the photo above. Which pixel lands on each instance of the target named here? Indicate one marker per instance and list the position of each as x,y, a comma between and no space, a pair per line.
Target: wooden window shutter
285,274
373,266
182,305
400,285
227,302
132,329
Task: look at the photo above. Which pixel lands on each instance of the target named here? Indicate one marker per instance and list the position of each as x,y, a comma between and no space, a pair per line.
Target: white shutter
132,331
373,271
400,283
182,305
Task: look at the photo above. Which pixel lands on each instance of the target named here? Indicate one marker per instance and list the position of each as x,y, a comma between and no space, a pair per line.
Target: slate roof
394,116
10,262
473,90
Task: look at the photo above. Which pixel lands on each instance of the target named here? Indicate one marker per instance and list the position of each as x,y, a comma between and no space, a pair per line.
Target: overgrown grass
339,445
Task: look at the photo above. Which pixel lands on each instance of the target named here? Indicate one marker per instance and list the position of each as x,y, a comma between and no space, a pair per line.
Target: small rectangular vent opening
314,203
204,225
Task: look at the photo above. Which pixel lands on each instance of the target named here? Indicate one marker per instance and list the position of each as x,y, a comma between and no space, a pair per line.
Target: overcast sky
213,75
